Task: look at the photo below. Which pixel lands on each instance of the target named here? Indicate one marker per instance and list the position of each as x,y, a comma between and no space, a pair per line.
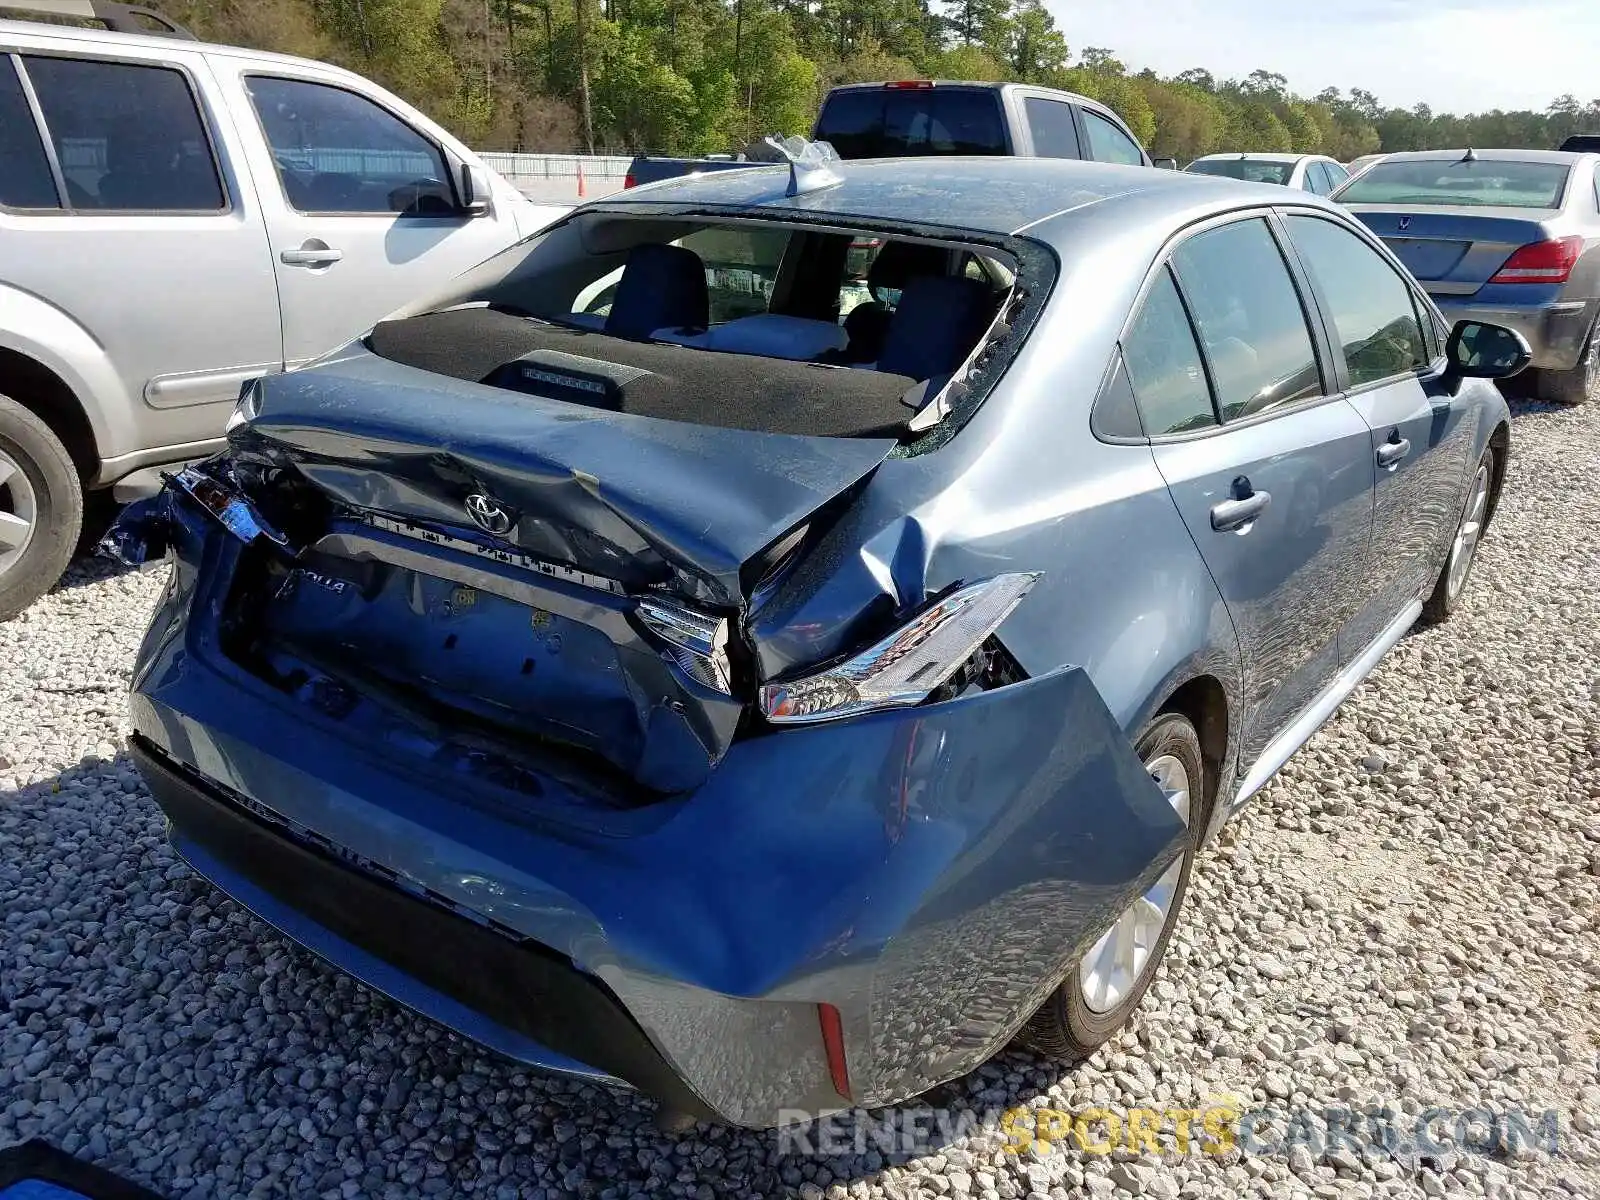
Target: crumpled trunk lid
504,585
653,503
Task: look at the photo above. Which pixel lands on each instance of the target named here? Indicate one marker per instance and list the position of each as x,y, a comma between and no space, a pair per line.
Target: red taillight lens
627,181
1541,262
833,1045
910,84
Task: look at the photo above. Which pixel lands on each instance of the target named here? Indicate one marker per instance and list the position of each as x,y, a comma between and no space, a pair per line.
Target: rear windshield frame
1033,265
1283,171
875,141
1399,190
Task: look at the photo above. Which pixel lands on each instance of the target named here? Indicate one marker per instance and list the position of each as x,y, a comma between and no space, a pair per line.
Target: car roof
87,38
1548,156
985,195
976,85
1268,156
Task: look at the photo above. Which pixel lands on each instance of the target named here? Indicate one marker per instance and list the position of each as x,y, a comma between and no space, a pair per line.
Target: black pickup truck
915,117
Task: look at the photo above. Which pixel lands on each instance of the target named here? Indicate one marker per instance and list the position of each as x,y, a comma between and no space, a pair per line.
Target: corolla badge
488,514
1405,223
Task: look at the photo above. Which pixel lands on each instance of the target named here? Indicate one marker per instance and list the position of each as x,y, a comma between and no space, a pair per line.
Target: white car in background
177,218
1315,173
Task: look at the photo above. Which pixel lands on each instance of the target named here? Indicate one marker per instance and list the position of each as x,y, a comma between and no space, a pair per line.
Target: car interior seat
935,326
896,263
662,287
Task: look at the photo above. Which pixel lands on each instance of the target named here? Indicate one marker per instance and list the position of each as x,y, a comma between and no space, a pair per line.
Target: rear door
1272,476
1386,346
359,203
1052,127
149,235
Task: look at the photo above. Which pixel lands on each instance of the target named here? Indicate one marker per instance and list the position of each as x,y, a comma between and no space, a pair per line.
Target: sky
1454,55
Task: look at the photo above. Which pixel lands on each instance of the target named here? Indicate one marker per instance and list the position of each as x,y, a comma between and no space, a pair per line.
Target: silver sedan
1508,237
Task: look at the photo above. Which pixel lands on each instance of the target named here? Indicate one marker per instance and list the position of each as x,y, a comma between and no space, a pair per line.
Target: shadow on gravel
154,1027
89,567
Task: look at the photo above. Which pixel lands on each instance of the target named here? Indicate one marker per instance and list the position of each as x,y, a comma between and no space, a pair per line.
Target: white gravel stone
1405,918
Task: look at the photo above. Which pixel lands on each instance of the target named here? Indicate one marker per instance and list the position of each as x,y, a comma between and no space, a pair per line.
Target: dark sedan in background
698,693
1506,236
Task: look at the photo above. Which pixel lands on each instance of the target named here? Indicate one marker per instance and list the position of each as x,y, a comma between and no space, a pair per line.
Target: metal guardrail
519,167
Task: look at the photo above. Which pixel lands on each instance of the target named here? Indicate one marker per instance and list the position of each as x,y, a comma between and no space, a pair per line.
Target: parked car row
668,653
1507,236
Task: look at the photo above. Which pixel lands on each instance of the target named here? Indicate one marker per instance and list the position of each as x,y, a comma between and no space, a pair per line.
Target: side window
1317,178
1050,122
741,268
1336,174
1249,318
1164,366
338,152
128,137
25,180
853,289
1373,310
1107,143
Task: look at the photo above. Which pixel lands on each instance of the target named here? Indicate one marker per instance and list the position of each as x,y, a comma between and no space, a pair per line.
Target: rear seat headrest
662,287
935,326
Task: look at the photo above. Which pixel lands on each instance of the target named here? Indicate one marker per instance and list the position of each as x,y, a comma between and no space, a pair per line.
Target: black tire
58,500
1065,1027
1446,597
1578,385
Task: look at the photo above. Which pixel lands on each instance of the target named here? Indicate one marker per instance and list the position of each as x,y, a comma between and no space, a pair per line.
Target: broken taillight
910,664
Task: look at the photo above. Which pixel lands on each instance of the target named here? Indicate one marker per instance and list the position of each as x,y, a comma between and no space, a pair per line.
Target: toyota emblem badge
488,514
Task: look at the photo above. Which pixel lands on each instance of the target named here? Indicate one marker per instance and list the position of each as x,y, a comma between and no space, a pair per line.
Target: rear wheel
1102,990
41,508
1452,581
1577,385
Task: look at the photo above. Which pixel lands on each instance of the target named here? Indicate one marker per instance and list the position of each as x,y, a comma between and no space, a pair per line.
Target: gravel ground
1406,917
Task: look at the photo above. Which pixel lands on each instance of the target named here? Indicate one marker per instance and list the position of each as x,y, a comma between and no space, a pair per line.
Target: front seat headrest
898,262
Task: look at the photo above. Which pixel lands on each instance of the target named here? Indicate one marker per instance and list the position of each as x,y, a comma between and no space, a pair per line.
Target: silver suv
177,218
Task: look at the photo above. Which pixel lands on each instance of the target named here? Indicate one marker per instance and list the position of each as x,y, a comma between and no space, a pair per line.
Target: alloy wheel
1469,532
1111,970
19,510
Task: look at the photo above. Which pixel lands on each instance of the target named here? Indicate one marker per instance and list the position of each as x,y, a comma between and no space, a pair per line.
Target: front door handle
1392,451
1232,515
308,256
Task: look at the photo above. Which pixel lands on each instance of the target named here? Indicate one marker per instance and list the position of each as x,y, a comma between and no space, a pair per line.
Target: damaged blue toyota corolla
772,642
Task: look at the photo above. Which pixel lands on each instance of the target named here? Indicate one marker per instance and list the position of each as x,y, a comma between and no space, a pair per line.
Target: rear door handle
1392,451
311,258
1232,515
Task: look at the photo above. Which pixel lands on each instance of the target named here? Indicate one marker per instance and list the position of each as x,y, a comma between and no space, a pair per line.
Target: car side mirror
474,190
1477,350
1166,164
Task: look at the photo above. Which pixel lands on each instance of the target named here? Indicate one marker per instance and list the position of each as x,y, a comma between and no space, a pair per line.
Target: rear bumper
529,1001
869,864
1555,331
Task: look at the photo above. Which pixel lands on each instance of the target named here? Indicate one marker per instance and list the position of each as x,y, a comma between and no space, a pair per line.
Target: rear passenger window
25,180
1372,307
1317,179
1055,135
1107,143
128,137
1164,367
338,152
1249,318
741,268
